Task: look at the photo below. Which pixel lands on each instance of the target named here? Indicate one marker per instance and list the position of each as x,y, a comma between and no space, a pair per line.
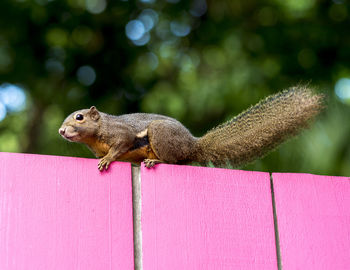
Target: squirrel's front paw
104,163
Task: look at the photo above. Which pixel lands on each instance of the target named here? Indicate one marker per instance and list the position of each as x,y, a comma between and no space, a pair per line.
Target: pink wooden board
206,218
313,215
62,213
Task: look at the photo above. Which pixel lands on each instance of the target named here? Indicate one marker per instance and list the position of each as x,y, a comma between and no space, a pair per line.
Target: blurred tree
198,61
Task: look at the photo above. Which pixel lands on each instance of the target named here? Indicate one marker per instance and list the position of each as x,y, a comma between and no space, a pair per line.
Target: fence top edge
162,166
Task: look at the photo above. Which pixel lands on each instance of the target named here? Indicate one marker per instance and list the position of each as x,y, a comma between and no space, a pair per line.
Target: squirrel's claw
149,163
103,164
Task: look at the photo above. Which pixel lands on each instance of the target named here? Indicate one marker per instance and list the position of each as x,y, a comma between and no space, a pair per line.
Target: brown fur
246,137
138,155
171,141
99,148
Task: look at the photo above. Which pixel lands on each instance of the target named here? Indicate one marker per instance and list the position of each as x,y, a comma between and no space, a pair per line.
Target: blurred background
199,61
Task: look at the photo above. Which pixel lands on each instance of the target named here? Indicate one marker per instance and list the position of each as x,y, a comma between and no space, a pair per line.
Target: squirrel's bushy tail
256,131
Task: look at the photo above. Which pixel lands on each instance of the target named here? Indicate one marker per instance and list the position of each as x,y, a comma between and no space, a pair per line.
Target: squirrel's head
80,125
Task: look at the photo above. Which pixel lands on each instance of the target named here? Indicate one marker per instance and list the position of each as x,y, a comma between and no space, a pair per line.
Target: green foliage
199,61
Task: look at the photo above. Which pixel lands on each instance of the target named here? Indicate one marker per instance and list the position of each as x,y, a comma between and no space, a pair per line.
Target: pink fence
203,218
62,213
313,216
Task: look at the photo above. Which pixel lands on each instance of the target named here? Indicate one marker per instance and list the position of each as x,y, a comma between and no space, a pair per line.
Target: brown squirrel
154,138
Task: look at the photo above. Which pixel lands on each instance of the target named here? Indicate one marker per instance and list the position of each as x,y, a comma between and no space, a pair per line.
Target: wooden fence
62,213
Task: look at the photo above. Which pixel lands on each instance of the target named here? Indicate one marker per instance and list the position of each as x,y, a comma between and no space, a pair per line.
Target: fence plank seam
275,223
136,205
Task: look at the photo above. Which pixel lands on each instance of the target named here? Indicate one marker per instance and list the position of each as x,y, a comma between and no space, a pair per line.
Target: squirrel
153,138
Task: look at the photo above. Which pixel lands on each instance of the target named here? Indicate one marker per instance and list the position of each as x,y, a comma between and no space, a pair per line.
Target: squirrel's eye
79,117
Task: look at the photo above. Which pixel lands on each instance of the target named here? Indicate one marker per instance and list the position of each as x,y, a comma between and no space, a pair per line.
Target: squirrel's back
256,131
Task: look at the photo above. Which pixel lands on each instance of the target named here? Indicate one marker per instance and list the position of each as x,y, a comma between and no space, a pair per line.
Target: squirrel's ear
94,114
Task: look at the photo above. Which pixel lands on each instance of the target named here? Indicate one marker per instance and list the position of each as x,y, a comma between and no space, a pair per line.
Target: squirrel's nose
62,131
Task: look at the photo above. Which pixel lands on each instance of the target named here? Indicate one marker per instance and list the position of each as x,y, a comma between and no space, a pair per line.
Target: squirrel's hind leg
170,141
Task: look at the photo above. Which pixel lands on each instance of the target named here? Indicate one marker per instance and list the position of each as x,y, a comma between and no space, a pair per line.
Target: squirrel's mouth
71,137
68,136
